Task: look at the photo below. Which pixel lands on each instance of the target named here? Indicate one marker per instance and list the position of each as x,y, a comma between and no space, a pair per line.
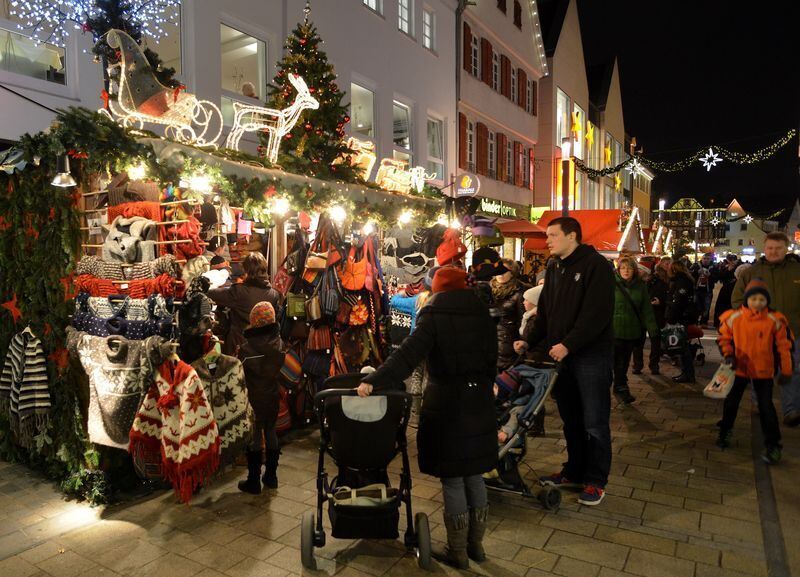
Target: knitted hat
451,249
217,263
449,278
532,295
757,286
486,263
262,314
507,383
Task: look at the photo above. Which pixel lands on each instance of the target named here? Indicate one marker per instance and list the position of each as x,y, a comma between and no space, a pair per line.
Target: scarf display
112,270
174,433
223,382
24,389
119,371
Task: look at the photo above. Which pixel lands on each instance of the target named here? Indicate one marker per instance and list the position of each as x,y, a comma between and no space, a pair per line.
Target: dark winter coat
633,314
783,281
680,301
658,289
239,299
577,303
511,311
262,357
457,434
727,279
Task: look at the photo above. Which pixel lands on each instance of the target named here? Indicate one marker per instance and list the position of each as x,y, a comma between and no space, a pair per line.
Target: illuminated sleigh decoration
277,123
393,176
141,98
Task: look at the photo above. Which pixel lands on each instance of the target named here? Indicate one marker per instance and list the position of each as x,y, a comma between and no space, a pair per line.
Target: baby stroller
530,386
363,436
694,334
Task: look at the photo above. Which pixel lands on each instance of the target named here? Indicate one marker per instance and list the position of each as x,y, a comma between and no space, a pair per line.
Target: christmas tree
316,144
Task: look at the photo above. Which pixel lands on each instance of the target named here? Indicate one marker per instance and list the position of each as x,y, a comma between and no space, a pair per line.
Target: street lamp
566,150
696,231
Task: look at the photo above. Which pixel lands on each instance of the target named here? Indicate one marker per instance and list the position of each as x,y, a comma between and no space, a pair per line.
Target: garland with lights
709,157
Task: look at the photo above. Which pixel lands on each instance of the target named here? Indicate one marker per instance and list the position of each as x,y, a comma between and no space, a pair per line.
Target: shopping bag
673,338
721,383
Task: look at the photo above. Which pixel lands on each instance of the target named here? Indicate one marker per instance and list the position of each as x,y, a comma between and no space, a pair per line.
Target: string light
338,213
368,228
405,217
137,172
280,206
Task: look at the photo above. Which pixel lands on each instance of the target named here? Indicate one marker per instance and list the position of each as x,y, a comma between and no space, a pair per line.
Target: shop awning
521,229
600,229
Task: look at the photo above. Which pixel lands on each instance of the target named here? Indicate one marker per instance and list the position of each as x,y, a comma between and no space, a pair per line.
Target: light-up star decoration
748,219
635,168
617,182
607,151
576,122
710,159
715,221
589,134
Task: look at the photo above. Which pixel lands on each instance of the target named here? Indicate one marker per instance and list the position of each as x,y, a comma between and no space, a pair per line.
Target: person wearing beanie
749,338
457,435
262,356
507,294
530,300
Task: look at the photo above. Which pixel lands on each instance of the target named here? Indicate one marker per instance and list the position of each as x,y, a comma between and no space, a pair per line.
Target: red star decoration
70,291
47,329
60,358
11,306
4,224
195,400
104,96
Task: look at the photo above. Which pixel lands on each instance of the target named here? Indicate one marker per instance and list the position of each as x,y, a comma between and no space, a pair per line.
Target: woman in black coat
658,288
681,310
507,293
457,435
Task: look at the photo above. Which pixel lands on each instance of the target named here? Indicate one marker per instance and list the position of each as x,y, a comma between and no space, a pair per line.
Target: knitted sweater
174,432
119,371
143,288
223,382
111,270
131,240
24,390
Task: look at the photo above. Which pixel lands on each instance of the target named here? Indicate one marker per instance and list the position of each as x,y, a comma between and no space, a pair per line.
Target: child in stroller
520,393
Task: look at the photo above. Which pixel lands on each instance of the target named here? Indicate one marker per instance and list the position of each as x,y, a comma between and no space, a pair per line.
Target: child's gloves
784,379
731,360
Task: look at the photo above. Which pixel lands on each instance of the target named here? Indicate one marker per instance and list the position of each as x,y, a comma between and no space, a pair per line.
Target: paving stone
255,568
741,530
660,498
17,567
698,553
714,571
744,563
171,565
254,546
217,557
526,534
575,568
636,540
671,516
130,556
16,542
651,564
587,549
42,552
373,557
535,559
67,564
569,524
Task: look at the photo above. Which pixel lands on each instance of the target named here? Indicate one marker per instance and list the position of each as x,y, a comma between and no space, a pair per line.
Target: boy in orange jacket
749,338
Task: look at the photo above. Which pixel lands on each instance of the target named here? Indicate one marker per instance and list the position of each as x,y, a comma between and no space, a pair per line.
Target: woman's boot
455,552
477,529
253,482
271,469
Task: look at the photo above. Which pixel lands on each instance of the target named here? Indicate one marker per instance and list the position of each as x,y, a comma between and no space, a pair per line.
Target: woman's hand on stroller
502,437
364,390
520,347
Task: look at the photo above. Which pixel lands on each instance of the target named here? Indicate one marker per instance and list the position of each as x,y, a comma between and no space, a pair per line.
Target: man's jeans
790,393
583,395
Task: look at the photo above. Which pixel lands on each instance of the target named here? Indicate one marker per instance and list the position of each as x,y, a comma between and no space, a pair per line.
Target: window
405,12
509,162
435,149
429,29
492,154
244,63
401,132
517,14
470,146
496,71
741,242
608,151
376,5
514,85
578,122
524,166
529,101
476,57
608,201
501,5
562,117
743,227
362,111
21,54
404,157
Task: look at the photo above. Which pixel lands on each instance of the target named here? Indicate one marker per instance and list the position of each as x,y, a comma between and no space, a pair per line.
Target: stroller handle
328,393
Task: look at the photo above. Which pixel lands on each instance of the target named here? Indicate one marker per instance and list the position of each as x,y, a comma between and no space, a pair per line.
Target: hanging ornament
346,118
710,159
635,168
748,219
308,126
11,306
617,182
589,134
607,151
715,221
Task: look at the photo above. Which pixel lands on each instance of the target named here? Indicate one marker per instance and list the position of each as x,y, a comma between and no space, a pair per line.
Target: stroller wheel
423,541
307,541
550,497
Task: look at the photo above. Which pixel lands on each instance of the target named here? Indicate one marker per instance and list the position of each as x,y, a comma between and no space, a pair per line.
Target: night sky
699,73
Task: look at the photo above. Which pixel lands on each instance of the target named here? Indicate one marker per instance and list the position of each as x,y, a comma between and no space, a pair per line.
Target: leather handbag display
317,260
296,305
319,338
313,308
354,272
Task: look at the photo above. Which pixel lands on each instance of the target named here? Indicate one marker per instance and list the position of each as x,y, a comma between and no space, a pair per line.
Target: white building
395,59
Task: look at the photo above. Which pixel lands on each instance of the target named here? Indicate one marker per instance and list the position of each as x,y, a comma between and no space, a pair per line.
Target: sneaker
559,480
724,439
626,398
591,495
771,455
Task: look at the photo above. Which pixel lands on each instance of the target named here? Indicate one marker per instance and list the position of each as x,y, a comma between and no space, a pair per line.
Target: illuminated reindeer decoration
278,123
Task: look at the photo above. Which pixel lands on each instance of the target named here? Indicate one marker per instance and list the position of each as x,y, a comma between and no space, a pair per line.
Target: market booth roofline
603,229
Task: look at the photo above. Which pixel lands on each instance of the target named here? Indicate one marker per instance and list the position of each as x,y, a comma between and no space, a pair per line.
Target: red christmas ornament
318,132
288,136
270,192
29,229
11,306
308,126
312,90
346,118
303,41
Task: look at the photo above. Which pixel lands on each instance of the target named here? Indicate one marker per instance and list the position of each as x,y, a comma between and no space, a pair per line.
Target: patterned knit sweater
111,270
223,382
24,389
174,432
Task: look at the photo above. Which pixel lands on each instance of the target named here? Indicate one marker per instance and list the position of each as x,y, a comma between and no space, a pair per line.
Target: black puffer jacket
511,311
262,357
454,333
658,289
680,301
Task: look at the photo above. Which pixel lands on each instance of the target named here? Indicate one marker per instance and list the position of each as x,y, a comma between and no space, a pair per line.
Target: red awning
600,229
521,229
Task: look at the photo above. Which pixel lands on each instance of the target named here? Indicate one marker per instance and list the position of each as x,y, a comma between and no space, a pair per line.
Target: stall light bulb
281,206
455,224
137,172
196,182
405,217
442,219
338,214
368,228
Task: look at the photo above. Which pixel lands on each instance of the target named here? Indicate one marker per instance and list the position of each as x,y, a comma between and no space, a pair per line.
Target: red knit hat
449,278
451,248
757,286
262,314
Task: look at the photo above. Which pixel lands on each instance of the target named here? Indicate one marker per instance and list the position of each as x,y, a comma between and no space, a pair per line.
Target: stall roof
600,229
521,229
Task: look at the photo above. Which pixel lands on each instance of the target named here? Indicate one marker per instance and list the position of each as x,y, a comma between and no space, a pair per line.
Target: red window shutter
467,52
501,141
505,76
531,172
462,141
482,166
486,61
518,163
535,89
522,88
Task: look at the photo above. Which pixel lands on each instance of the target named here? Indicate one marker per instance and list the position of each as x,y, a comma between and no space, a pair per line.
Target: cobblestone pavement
676,506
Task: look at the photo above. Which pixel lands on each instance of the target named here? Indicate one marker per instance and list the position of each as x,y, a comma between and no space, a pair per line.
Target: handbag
292,369
313,308
296,305
369,496
351,345
330,294
354,273
721,383
359,315
283,280
319,338
343,314
369,257
316,260
317,363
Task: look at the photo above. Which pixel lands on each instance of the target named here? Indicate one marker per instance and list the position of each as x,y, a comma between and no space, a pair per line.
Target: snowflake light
710,159
635,168
748,219
715,221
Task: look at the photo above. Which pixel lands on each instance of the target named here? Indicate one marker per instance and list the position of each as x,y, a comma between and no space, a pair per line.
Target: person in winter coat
240,298
262,357
457,436
781,271
681,310
633,319
530,299
507,292
657,288
575,320
748,337
724,275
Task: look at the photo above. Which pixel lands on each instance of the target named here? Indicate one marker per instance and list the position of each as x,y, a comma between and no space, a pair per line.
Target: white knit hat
532,295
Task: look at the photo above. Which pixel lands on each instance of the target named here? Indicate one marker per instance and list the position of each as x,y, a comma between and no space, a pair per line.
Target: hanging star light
748,219
607,151
589,134
635,168
710,159
617,182
715,221
576,122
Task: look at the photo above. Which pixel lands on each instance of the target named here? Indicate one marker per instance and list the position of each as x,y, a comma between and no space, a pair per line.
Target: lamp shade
63,177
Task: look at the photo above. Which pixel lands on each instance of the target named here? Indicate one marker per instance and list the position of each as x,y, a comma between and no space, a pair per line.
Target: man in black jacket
575,320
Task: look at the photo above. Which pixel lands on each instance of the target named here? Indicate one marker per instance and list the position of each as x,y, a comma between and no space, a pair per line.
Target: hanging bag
721,383
371,269
314,307
319,338
673,338
330,294
354,272
296,305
